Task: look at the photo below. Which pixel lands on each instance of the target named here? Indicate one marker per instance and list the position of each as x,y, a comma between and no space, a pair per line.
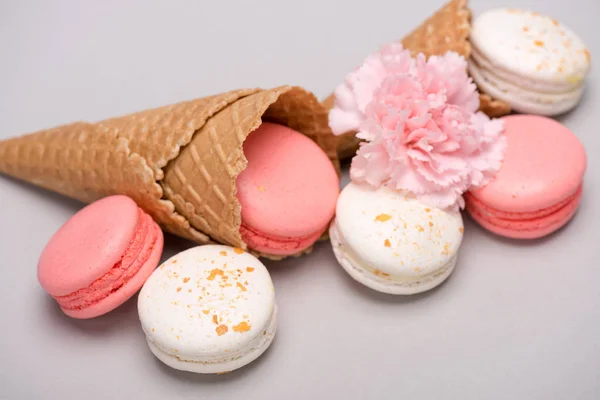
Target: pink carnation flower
417,143
444,78
419,122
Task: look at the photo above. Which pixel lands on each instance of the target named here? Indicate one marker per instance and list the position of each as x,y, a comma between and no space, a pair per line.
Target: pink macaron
100,257
288,191
539,186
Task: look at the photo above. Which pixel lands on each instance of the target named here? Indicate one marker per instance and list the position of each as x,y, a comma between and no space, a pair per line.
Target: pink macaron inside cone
100,257
540,184
288,191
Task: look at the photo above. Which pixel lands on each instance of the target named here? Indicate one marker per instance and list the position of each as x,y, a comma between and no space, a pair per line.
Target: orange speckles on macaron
221,329
223,253
237,250
446,250
230,297
213,274
383,217
249,269
587,54
387,243
240,286
178,289
242,327
461,229
539,43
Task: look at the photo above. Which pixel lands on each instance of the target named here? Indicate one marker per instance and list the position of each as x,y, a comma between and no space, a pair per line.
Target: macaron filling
361,267
524,221
277,245
487,68
525,95
136,255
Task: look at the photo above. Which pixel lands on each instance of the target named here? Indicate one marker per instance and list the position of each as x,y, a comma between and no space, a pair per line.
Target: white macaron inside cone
209,309
393,243
532,62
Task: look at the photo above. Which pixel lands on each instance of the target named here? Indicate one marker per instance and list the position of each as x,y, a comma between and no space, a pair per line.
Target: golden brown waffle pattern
178,162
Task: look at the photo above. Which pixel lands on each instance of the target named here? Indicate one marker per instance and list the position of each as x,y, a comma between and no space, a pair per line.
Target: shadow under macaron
124,317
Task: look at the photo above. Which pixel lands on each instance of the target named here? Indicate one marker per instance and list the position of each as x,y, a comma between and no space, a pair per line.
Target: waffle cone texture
446,30
179,162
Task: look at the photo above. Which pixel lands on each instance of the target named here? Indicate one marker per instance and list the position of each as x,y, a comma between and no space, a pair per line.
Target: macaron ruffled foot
209,309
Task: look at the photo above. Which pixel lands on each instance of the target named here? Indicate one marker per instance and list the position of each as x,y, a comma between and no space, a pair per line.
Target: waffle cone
178,162
446,30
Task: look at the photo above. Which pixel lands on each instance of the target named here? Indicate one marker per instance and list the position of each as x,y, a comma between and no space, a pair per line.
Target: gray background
517,320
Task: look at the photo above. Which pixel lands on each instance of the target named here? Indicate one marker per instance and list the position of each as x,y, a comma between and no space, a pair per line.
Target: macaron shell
219,367
88,245
534,46
531,226
207,304
128,289
544,164
289,187
378,282
395,236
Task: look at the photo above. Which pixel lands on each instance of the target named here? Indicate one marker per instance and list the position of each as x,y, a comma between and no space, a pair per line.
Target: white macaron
393,243
530,61
209,309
